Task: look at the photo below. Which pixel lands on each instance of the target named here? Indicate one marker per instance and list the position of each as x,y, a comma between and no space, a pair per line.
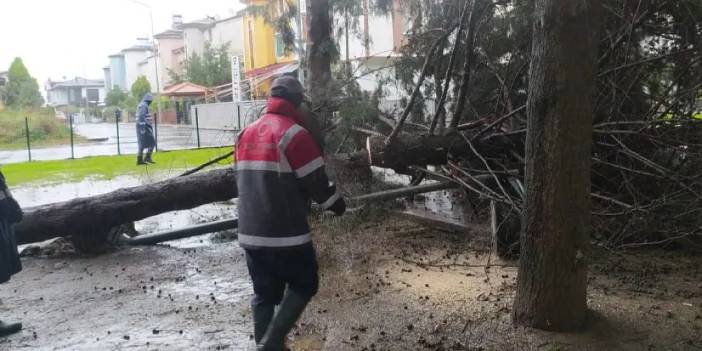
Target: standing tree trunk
320,54
552,281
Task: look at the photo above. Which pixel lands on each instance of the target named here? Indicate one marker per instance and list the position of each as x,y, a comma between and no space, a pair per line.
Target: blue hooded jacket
144,123
143,115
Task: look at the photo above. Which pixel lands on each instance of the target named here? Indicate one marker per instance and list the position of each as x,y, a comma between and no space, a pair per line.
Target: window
93,95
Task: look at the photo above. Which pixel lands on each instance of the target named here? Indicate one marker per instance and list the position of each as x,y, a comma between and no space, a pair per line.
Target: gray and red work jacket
279,167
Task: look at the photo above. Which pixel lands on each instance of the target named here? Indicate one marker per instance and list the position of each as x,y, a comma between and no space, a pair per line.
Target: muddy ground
387,284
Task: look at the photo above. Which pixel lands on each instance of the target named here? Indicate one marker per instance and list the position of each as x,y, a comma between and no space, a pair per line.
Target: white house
229,30
375,45
147,68
217,31
171,52
75,92
195,34
133,58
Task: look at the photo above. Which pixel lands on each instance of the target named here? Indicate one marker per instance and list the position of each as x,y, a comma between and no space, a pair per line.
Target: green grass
44,129
107,167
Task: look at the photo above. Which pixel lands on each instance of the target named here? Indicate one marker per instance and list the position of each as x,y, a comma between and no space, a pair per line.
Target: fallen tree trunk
89,220
95,216
410,150
422,150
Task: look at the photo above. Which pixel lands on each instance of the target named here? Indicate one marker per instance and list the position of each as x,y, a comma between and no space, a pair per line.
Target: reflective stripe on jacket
279,168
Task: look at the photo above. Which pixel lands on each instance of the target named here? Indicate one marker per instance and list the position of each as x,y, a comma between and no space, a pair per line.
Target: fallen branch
207,164
417,88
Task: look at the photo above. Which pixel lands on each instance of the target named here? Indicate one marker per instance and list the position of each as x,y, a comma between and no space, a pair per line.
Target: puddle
181,219
197,296
211,287
35,195
447,204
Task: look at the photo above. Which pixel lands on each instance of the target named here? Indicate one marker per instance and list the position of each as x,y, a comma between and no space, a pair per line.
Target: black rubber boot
140,160
290,309
262,315
148,159
9,328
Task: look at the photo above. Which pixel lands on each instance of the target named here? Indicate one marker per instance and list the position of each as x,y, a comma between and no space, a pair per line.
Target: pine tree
22,89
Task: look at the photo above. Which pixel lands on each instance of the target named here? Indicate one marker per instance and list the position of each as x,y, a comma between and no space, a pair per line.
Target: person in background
279,167
10,213
145,131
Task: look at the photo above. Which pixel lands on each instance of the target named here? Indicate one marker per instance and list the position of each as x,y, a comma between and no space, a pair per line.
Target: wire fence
208,125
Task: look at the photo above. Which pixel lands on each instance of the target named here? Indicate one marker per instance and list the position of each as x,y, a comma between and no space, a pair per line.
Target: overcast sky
68,38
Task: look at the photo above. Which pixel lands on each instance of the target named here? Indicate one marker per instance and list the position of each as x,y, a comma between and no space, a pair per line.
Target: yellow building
264,53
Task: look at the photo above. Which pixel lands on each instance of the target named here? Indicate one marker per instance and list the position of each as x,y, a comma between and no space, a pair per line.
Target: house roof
203,23
238,14
170,34
139,48
272,70
185,89
76,82
146,60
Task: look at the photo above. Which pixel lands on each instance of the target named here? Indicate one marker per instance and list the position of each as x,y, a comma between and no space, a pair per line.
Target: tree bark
422,150
410,150
320,50
552,281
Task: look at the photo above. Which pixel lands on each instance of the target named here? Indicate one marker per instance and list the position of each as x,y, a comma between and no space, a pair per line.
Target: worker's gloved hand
339,207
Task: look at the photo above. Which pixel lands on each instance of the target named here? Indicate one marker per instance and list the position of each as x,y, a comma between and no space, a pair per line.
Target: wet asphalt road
170,137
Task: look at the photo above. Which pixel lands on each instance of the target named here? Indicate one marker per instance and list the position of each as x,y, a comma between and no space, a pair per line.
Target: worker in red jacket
10,213
279,168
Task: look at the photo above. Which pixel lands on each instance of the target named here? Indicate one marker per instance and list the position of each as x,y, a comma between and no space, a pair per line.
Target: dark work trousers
271,270
145,139
149,151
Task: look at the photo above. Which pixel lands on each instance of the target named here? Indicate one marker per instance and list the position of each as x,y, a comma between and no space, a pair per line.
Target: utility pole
156,57
301,41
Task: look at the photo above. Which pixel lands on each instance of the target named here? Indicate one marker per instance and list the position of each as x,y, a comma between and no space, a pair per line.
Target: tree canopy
140,87
22,89
211,68
115,97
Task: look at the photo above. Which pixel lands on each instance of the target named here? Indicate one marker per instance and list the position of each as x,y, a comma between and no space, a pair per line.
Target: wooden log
94,216
199,229
414,150
411,190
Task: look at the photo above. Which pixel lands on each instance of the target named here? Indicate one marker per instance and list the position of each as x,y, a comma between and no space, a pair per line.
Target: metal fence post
156,130
118,115
238,115
70,119
197,127
26,129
